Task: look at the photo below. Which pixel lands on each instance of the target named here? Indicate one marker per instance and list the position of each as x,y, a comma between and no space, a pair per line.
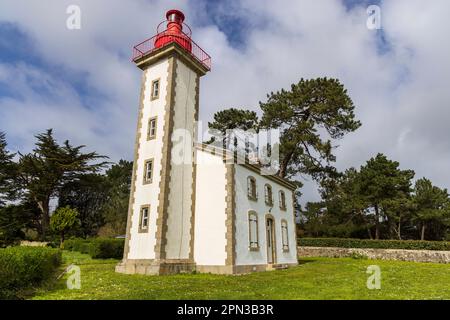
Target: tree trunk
399,231
45,211
370,233
377,222
422,236
62,240
284,165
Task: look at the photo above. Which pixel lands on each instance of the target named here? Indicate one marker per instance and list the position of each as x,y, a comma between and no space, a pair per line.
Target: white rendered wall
180,185
244,256
210,211
142,244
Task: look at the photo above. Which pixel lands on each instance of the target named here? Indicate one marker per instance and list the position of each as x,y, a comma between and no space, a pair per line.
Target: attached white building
203,213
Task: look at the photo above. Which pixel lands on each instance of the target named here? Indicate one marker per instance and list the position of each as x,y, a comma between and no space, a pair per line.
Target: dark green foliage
231,119
303,114
374,202
48,168
234,119
98,248
80,245
63,220
88,195
381,185
374,244
107,248
432,206
22,268
115,208
7,172
13,220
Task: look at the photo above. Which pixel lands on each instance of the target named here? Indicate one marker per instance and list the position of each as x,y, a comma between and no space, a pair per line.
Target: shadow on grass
305,261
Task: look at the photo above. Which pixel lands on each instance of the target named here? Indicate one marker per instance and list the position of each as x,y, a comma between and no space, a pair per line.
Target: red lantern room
176,31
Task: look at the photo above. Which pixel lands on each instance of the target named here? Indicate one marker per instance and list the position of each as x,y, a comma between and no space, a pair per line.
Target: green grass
314,278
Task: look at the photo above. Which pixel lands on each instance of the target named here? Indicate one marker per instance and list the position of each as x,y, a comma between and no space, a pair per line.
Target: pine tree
303,114
50,166
432,205
7,171
381,181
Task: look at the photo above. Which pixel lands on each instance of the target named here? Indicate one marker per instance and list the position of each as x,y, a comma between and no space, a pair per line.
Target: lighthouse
160,225
191,208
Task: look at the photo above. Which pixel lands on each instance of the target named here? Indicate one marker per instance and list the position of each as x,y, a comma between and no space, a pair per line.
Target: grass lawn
314,278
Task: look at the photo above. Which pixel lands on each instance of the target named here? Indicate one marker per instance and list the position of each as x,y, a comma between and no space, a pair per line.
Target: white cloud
401,95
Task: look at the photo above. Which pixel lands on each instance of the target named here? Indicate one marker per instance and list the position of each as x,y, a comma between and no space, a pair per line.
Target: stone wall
26,243
380,254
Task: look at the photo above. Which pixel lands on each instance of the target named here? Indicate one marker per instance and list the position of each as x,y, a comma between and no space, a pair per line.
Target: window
251,188
143,220
282,199
268,194
155,89
284,235
151,134
148,171
253,231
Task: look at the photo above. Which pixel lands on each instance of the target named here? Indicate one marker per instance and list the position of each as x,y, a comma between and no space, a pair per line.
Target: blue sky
82,83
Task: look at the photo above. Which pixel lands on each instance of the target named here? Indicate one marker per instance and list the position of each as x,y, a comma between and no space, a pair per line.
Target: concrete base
243,269
155,267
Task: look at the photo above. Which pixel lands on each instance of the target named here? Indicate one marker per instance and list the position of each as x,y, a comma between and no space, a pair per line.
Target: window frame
154,96
251,182
284,228
147,180
268,194
282,200
143,229
251,214
149,129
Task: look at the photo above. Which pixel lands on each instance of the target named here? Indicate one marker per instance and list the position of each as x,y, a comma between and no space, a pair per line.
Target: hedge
97,248
375,244
22,268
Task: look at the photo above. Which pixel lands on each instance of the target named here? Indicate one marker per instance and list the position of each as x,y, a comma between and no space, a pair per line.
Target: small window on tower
155,89
143,220
151,129
148,171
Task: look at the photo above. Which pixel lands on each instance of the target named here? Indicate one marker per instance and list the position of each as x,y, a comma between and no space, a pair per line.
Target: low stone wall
380,254
26,243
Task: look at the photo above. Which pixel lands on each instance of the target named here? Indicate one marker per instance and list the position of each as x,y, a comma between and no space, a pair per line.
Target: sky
82,83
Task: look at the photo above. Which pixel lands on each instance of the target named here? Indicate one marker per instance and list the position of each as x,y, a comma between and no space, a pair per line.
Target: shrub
107,248
22,268
374,244
63,220
80,245
98,248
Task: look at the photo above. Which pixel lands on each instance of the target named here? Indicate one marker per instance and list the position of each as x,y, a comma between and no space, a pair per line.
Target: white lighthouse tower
160,226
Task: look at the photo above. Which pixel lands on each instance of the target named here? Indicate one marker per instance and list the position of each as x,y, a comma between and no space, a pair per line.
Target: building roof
231,158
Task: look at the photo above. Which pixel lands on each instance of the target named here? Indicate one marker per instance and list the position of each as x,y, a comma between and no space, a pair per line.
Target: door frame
274,246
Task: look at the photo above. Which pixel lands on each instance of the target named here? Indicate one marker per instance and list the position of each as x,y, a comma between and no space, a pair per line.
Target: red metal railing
148,46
